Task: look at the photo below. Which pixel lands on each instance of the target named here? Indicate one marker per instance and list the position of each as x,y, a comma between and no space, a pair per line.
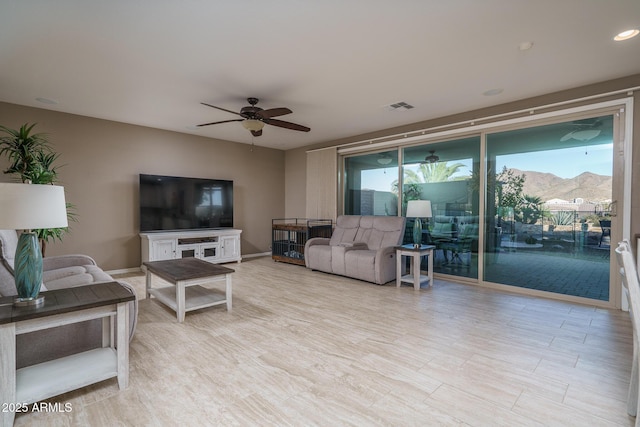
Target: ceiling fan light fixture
432,158
384,159
253,125
626,35
581,135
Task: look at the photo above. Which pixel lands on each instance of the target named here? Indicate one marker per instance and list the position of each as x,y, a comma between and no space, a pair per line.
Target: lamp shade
419,209
32,206
252,124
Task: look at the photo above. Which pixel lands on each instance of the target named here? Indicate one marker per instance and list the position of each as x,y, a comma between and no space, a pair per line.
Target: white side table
106,301
415,276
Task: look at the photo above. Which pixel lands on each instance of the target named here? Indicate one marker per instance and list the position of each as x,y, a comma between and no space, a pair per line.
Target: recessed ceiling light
493,92
626,35
47,101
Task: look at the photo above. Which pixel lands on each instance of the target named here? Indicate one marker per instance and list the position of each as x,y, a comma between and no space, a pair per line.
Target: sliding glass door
548,207
527,204
447,174
370,184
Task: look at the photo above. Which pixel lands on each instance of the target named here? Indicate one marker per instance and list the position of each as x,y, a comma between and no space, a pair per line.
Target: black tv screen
174,203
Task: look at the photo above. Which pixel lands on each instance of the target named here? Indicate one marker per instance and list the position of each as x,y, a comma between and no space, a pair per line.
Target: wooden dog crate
289,235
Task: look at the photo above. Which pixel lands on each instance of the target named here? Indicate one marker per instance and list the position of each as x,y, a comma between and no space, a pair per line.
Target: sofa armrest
384,255
62,261
386,251
386,264
311,261
317,241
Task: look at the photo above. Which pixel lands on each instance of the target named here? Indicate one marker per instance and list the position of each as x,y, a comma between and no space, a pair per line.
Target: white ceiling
335,63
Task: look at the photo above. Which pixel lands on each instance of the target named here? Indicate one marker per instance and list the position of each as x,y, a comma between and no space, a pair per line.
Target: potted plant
31,159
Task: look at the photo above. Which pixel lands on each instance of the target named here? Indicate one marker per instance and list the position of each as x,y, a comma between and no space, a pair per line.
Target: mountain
589,186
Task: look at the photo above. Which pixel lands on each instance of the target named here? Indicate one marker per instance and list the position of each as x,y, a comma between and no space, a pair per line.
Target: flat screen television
175,203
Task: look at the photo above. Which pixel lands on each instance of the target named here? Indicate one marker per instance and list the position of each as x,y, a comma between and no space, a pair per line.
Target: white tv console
215,246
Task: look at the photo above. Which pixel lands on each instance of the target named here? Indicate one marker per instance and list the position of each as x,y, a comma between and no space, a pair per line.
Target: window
549,192
371,182
447,174
531,203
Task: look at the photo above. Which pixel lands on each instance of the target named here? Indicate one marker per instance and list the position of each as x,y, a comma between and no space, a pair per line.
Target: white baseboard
257,255
124,271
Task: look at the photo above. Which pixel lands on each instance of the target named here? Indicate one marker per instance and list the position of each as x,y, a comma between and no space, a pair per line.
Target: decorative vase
28,266
417,233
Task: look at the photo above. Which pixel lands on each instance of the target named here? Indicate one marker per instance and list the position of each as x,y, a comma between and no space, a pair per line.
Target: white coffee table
186,274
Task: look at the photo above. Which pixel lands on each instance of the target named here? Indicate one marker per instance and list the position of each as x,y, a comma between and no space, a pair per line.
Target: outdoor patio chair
463,244
605,225
631,286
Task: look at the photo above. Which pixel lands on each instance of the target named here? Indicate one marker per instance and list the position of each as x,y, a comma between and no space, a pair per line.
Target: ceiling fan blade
224,121
286,125
220,108
273,112
256,132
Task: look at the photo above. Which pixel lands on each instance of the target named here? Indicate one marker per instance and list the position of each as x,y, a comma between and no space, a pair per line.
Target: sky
565,163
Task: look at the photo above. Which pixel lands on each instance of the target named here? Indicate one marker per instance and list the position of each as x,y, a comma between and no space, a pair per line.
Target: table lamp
27,207
418,209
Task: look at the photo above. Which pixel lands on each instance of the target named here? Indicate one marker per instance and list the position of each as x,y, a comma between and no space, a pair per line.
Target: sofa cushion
7,284
380,231
346,229
361,265
337,257
70,277
8,245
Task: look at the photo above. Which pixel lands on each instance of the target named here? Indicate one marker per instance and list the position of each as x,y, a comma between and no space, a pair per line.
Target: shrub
562,218
530,240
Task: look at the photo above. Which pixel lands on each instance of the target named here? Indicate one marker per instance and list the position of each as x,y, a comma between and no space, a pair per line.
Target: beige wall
296,159
295,183
102,160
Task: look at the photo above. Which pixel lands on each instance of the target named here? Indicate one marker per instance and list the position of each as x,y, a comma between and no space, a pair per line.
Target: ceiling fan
431,158
254,118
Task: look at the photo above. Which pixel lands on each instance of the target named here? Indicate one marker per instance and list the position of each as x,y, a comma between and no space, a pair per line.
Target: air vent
399,106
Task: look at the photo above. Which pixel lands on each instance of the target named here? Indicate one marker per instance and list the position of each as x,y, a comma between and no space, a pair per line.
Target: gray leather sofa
361,247
65,271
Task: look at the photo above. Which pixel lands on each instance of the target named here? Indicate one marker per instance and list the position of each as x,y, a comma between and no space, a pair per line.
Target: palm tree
427,173
29,154
432,172
531,209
